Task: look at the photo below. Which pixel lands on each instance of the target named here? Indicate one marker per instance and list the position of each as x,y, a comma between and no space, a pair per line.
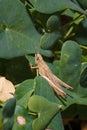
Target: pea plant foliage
43,63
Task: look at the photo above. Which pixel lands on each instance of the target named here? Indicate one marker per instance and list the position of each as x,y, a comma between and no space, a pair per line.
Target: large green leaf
70,63
18,35
45,110
42,88
51,6
76,102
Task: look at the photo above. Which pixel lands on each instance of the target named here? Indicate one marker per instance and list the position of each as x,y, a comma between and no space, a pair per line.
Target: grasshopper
45,72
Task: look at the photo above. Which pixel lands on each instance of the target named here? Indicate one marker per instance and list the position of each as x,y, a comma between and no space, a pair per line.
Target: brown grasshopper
45,72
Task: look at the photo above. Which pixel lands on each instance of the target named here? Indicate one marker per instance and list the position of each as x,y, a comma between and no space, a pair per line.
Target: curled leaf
6,89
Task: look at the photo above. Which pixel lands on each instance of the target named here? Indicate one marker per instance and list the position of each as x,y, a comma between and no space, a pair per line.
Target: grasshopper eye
37,58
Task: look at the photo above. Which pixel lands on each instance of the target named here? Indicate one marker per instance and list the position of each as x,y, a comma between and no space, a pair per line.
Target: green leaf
42,88
47,53
9,108
9,124
56,67
72,99
24,91
56,123
23,88
45,109
48,40
31,59
18,35
52,6
70,65
54,23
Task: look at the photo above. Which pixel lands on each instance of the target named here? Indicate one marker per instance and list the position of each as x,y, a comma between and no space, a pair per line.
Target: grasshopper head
38,58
